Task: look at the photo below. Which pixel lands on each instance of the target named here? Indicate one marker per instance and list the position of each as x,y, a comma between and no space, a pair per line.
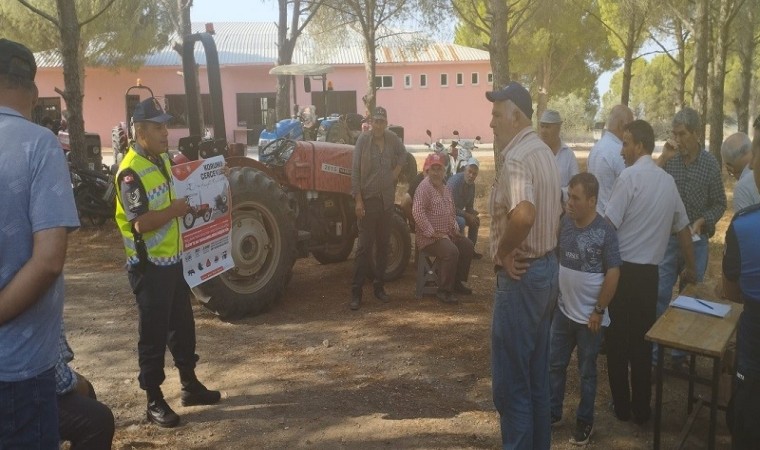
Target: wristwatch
598,309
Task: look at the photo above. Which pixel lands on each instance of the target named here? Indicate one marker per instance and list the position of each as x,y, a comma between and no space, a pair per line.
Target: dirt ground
310,373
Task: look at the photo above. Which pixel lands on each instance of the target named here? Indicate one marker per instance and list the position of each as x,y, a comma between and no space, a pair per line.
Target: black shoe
161,414
582,433
460,288
446,297
381,295
477,255
196,393
355,302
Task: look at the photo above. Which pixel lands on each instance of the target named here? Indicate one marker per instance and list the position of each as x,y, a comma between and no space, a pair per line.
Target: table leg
658,397
692,370
714,403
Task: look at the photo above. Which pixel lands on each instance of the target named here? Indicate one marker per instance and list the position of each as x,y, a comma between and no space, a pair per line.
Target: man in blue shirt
462,187
741,283
38,213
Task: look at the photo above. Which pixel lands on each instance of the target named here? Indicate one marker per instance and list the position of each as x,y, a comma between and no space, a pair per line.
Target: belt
498,267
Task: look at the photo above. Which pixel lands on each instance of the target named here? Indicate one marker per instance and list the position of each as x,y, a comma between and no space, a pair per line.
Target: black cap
16,60
380,113
517,94
149,110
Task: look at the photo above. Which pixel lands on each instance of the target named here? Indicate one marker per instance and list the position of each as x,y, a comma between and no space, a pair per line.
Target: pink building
428,85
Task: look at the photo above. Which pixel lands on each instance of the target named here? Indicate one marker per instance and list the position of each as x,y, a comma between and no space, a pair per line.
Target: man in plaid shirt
699,182
437,232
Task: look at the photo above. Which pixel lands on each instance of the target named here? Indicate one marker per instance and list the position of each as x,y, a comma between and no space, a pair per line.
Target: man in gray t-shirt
38,212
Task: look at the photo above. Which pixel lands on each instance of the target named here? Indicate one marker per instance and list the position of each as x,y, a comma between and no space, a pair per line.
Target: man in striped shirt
525,209
437,231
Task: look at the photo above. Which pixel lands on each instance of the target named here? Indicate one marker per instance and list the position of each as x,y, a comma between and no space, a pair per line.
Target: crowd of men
576,256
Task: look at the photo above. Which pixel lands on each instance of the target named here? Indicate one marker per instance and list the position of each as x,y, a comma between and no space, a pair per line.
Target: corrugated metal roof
253,43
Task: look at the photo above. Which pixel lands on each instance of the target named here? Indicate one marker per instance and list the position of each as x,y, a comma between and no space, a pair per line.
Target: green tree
626,22
557,53
112,33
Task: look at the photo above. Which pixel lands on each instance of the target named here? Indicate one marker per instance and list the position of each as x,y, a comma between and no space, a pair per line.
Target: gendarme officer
146,213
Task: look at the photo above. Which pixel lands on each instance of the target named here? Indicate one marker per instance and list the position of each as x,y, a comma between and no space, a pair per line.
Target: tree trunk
185,29
681,74
498,48
718,80
542,102
747,46
630,44
284,56
73,79
370,99
701,63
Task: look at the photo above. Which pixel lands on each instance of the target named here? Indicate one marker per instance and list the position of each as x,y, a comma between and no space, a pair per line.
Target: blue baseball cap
149,110
517,94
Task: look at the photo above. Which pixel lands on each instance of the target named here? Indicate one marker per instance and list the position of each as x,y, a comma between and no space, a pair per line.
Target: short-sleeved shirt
529,174
745,191
741,263
378,180
36,196
646,209
585,255
567,164
606,164
463,194
701,188
433,212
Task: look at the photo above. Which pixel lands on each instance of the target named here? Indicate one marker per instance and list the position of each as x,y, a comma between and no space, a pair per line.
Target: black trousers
632,314
374,228
166,319
85,422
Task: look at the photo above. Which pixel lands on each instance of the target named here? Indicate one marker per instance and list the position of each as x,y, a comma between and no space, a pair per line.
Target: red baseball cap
433,159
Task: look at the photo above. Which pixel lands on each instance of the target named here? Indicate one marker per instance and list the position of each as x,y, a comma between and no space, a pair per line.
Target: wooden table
701,335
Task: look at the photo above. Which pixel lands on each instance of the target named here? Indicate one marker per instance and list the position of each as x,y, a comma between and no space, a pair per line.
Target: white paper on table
701,306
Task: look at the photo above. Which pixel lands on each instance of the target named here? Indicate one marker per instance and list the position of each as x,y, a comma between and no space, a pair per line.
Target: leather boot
159,412
195,393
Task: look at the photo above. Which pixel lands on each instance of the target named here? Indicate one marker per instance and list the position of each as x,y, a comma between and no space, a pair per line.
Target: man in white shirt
549,129
604,161
645,208
736,153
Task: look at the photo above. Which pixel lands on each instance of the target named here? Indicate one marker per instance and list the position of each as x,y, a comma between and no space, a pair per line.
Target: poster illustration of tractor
205,229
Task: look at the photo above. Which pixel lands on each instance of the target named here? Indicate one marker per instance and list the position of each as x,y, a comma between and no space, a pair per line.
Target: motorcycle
94,194
438,147
461,150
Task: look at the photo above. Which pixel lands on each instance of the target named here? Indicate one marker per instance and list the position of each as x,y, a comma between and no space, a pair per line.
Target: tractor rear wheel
263,248
399,248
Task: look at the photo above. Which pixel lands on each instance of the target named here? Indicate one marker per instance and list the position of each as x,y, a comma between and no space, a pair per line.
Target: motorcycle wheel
87,204
263,248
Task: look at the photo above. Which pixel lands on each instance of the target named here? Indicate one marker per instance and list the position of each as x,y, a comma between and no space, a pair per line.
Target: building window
384,82
423,80
407,81
490,78
475,78
444,79
460,79
176,105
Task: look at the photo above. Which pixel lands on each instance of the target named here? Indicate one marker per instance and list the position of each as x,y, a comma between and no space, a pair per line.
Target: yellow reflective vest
163,246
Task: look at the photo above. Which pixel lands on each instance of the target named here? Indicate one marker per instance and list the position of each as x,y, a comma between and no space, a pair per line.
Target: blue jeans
472,232
565,336
669,269
520,354
29,413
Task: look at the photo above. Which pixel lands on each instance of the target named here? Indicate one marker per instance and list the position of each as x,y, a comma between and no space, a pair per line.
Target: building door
338,102
253,112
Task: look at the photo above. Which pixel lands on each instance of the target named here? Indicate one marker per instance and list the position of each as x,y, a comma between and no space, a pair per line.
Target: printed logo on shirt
128,178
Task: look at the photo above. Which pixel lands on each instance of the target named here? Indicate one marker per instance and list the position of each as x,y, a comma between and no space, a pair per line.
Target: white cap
473,161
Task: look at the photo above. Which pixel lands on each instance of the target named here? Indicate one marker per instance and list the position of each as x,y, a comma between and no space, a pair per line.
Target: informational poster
205,229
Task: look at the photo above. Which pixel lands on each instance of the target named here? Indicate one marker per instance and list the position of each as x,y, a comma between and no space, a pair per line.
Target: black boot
195,393
159,412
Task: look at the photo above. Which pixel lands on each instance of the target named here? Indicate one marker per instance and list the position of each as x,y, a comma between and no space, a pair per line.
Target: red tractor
294,202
